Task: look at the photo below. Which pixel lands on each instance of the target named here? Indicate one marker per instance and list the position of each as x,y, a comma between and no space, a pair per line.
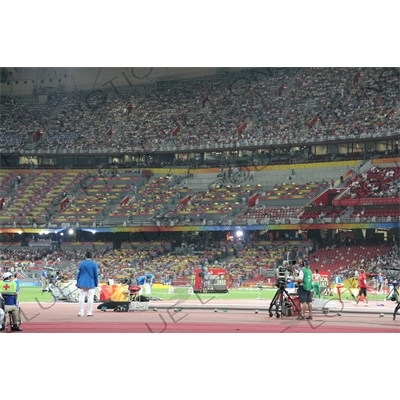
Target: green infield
34,294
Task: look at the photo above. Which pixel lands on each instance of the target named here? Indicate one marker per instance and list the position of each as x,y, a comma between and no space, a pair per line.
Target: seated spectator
8,286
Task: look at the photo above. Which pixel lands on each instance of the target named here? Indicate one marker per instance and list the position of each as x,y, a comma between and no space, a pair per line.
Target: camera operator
304,281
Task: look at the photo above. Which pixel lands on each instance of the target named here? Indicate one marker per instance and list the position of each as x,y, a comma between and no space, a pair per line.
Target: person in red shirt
362,285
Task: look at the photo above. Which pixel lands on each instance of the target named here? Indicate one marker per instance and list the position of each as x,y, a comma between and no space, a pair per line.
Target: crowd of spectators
244,260
280,106
245,264
113,264
377,182
386,263
21,117
167,200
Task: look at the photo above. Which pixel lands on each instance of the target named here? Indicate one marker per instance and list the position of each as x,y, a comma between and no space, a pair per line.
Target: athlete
316,284
362,285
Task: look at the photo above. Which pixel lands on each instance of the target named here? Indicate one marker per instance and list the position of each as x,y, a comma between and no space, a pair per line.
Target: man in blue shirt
87,282
150,278
44,279
379,280
141,280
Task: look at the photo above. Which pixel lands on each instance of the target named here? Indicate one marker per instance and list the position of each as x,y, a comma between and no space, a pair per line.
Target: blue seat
9,299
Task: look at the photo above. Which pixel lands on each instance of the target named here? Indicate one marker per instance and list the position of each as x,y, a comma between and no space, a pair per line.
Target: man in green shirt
304,281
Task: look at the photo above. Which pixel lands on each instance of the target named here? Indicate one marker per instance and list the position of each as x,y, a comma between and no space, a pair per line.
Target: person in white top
316,284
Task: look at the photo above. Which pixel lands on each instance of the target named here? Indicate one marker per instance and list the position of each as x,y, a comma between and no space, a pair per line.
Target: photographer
304,281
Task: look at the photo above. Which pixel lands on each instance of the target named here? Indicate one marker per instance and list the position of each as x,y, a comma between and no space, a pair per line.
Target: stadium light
71,231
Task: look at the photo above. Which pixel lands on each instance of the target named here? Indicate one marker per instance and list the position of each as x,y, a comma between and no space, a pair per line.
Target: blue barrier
22,284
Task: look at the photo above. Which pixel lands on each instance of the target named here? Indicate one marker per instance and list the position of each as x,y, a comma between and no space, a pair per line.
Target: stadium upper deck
286,105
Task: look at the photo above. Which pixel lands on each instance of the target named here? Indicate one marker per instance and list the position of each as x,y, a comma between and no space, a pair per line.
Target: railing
231,145
293,221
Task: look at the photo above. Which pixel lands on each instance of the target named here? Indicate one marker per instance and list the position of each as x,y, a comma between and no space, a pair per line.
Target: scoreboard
216,283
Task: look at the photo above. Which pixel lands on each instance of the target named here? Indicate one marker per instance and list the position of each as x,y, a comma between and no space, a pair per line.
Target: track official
87,281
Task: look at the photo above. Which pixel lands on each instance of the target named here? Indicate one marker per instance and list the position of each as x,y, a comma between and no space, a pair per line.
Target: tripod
280,299
349,289
395,310
394,292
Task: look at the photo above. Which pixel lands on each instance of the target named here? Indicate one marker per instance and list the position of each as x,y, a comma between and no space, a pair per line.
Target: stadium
171,170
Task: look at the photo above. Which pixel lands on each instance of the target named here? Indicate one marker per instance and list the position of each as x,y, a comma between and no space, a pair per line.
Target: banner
312,122
176,130
107,291
325,279
124,201
367,201
242,128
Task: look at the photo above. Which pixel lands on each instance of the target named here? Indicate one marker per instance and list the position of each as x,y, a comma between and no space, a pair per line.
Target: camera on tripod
282,302
283,274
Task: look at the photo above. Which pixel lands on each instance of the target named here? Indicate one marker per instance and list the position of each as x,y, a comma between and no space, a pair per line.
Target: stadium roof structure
25,79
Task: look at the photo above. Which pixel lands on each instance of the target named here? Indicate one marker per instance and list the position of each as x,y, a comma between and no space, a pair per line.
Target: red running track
62,318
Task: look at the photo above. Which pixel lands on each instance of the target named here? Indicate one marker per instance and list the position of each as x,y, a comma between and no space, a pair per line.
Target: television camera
284,274
55,275
282,302
392,275
393,278
56,285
